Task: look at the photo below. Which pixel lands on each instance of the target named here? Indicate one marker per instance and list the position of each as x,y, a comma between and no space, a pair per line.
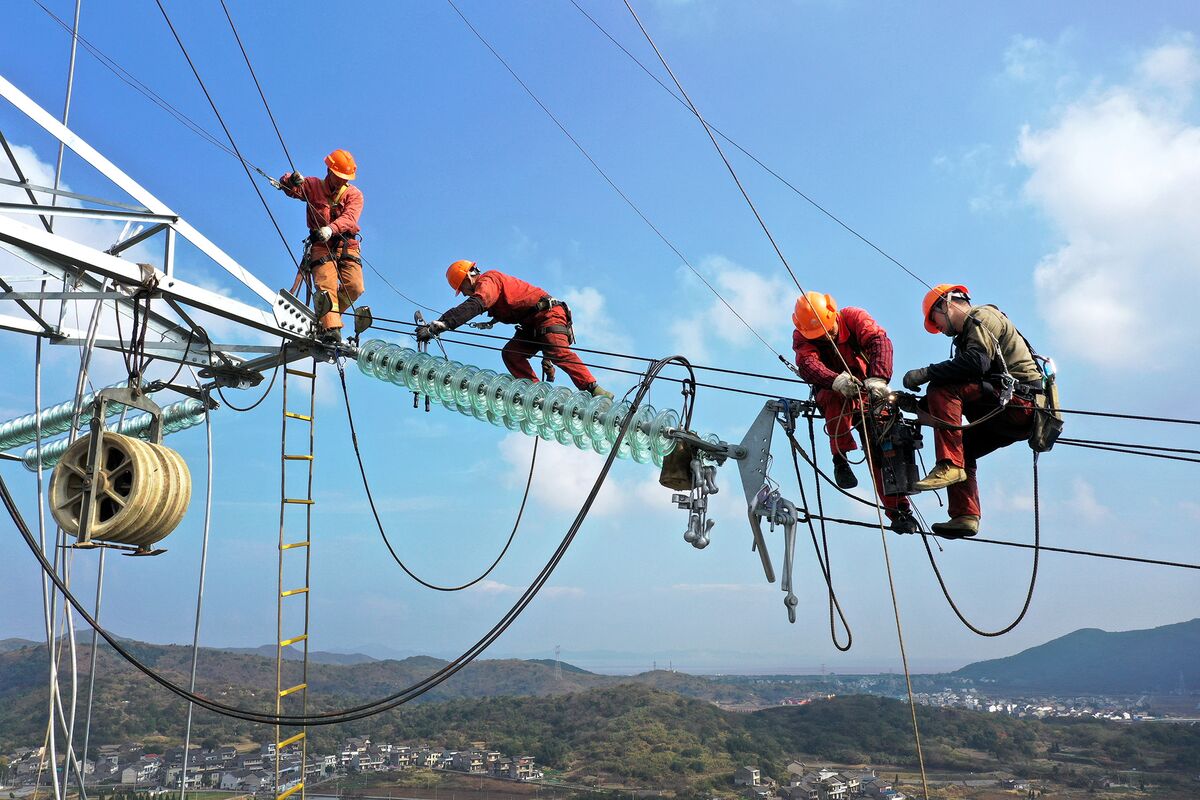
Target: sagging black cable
396,699
823,561
1130,446
379,522
1037,542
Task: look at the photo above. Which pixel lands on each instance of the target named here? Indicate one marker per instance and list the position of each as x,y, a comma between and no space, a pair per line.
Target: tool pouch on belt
677,467
1047,419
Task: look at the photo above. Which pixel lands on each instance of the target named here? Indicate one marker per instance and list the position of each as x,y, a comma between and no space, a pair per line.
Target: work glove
427,332
847,385
275,183
295,179
915,378
877,388
323,233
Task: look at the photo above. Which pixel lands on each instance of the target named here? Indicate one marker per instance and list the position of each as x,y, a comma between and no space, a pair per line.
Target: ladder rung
289,740
294,415
291,592
300,373
297,458
290,545
290,791
293,640
299,501
293,689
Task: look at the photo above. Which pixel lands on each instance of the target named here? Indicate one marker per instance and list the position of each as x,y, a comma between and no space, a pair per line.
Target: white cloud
1173,66
593,324
1084,503
715,588
1116,172
765,303
491,587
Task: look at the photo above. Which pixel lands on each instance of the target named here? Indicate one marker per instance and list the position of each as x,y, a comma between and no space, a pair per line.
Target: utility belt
338,246
543,305
1025,391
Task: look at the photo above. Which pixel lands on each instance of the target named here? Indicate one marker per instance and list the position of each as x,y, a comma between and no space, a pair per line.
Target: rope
228,135
609,180
187,738
379,522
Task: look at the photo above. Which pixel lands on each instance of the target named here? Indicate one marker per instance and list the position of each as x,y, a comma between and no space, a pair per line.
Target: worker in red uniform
860,364
543,322
334,255
989,352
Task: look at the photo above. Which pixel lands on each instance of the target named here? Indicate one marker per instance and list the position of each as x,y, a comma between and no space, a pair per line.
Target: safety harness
340,240
544,304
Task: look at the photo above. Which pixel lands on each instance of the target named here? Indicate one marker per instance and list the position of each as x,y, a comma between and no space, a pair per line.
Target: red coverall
964,448
336,265
867,350
513,301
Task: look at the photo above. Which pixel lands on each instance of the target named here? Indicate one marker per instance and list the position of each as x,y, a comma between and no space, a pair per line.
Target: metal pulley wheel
142,490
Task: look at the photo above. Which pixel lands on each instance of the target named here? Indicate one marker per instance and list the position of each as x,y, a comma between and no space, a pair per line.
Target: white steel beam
85,151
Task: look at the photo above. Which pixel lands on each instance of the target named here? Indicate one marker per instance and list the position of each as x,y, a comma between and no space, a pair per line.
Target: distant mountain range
1158,660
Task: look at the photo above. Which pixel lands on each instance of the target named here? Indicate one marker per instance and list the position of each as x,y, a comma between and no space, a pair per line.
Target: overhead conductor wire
228,135
867,449
609,180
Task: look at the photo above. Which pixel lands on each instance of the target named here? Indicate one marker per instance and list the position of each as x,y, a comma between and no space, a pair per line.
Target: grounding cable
362,470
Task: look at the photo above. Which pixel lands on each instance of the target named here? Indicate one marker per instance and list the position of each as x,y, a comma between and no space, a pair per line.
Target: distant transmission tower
557,664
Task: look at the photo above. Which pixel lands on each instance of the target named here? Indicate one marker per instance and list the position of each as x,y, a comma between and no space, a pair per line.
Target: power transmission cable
1129,446
228,135
398,698
362,471
1129,452
747,153
257,85
609,180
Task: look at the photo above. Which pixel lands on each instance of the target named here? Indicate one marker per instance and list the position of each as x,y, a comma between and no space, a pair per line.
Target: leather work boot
957,527
843,476
942,475
903,521
599,391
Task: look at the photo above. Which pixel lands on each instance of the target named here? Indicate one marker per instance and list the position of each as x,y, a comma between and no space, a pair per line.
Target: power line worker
334,255
543,322
862,345
990,358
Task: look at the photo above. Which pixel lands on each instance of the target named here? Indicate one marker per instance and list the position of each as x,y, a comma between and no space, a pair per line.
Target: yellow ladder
295,498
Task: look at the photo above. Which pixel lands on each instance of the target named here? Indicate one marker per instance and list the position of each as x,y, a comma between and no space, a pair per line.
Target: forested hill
1156,660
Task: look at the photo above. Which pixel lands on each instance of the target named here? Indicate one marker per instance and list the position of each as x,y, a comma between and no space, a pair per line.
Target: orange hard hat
937,293
815,315
457,272
341,163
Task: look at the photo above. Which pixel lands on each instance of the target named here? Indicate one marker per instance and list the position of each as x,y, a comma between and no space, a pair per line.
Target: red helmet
457,272
815,315
341,163
936,294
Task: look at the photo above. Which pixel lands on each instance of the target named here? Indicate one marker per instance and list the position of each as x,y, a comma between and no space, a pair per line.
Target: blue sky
1046,155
